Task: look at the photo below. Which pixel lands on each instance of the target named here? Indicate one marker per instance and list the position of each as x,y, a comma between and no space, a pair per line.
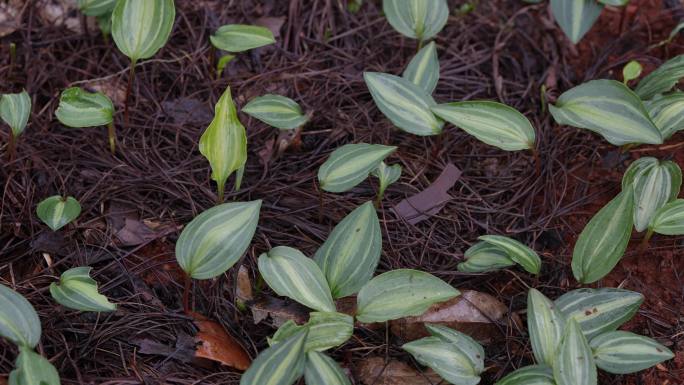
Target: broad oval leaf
444,358
662,79
277,111
292,274
281,364
636,168
79,108
76,290
667,113
214,240
599,310
621,352
350,254
405,104
631,71
96,7
608,108
57,211
224,143
141,28
529,375
15,110
320,369
401,293
519,253
575,17
604,239
545,324
350,164
463,342
483,257
241,37
493,123
19,322
326,330
669,220
423,69
33,369
574,361
386,176
417,19
653,187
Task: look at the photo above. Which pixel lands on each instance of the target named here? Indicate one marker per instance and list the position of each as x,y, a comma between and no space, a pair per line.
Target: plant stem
646,239
112,137
537,160
13,56
320,204
11,147
378,199
186,294
221,188
131,76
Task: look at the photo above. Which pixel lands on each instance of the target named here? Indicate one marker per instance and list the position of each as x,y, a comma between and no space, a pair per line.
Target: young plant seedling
576,17
662,80
76,290
668,220
58,211
386,176
350,164
495,252
631,71
79,108
236,38
15,110
277,111
416,19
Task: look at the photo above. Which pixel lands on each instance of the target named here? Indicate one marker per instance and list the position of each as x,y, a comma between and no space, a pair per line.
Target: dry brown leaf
215,344
280,311
10,16
274,24
113,88
243,289
430,201
58,13
374,371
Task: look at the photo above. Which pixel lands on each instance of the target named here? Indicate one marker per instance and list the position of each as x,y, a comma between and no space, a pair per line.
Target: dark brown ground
158,175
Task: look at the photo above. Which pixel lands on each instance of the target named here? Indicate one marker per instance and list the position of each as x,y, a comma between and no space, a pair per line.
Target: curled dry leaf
279,310
243,289
214,343
374,371
430,201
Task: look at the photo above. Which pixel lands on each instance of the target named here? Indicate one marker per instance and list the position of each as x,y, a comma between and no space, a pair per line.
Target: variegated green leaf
444,358
529,375
575,17
57,211
276,110
76,290
574,361
631,71
79,108
662,79
667,113
350,164
96,7
323,370
405,104
214,240
635,168
417,19
15,110
615,3
423,69
222,63
519,253
608,108
545,324
401,293
224,143
599,310
350,254
19,322
241,37
463,342
483,257
33,369
141,28
386,176
490,122
654,185
621,352
292,274
281,364
604,239
669,220
326,330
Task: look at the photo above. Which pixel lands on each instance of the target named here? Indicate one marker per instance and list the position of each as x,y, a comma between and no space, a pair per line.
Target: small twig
112,137
186,294
131,75
11,147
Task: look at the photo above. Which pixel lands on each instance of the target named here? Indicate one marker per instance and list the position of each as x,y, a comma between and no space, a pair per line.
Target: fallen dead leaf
274,24
374,371
58,13
135,233
280,311
243,289
430,201
10,16
113,88
215,344
184,349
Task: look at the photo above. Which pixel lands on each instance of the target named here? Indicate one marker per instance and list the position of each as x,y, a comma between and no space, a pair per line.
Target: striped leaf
483,257
141,28
386,176
79,108
608,108
599,310
493,123
326,330
275,110
423,69
350,164
604,239
76,290
653,187
291,274
241,37
445,358
669,220
574,361
470,348
57,211
529,375
214,240
33,369
516,251
15,110
575,17
620,352
615,3
635,168
19,322
662,79
417,19
320,369
545,324
281,364
405,104
401,293
667,113
96,7
224,143
351,253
